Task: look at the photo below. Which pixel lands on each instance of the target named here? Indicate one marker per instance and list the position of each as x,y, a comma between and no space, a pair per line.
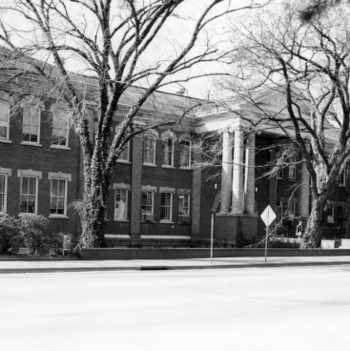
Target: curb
163,268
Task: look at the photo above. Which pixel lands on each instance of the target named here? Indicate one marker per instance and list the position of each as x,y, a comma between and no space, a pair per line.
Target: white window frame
28,142
167,191
29,174
124,157
148,153
169,208
4,123
6,172
184,218
66,177
189,148
168,151
126,188
57,112
148,215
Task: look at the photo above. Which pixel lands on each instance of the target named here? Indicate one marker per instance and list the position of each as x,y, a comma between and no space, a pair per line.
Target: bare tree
113,40
308,64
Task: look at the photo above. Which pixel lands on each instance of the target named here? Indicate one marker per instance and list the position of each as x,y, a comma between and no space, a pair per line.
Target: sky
218,32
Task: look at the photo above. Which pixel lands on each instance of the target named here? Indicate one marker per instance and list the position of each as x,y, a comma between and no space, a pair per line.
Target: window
31,124
3,193
168,152
342,178
58,198
184,208
60,128
185,153
330,216
149,149
28,195
166,207
59,193
4,120
147,206
121,204
124,156
291,211
340,215
280,209
280,173
292,169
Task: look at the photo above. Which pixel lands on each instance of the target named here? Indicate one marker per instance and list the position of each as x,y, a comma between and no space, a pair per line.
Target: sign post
211,237
268,216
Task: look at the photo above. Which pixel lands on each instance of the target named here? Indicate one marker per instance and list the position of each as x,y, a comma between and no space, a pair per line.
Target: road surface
283,308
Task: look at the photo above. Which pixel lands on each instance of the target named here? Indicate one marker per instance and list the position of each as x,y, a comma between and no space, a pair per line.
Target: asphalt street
271,308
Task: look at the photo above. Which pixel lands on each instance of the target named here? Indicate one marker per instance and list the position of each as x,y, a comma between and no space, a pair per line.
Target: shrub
34,230
10,235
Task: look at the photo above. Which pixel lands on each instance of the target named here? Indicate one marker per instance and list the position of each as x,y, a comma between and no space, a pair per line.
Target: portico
237,213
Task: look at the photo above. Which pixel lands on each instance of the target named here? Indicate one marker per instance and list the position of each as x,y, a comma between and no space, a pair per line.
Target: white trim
59,175
168,134
186,137
7,171
166,190
170,237
184,191
121,186
29,173
117,236
149,188
28,143
59,147
57,216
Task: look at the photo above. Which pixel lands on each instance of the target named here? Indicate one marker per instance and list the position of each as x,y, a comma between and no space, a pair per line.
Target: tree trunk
317,221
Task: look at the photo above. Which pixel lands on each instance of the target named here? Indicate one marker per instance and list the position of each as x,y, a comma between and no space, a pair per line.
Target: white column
226,175
249,184
237,184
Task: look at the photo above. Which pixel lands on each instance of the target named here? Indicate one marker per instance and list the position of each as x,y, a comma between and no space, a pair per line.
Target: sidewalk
9,267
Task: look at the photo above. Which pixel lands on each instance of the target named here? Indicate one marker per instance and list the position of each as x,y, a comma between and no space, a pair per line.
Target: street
283,308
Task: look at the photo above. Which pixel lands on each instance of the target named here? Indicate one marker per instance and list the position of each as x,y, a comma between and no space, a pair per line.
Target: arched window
31,124
185,153
149,148
4,120
168,152
60,128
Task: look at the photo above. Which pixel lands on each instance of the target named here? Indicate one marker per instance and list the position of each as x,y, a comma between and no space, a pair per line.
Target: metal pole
267,234
211,237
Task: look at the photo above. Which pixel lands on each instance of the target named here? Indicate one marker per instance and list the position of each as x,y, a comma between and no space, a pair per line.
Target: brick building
160,194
